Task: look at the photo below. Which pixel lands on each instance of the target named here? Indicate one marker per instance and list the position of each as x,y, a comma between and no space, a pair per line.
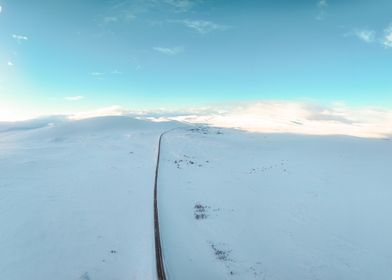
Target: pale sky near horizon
68,55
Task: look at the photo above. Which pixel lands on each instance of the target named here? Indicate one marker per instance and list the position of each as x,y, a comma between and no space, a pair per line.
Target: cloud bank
274,117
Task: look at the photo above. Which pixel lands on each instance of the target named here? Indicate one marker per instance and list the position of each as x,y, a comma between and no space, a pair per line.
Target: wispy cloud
366,35
181,5
370,36
322,7
110,19
9,63
169,51
125,11
20,38
74,98
97,74
323,3
123,16
202,26
1,9
387,41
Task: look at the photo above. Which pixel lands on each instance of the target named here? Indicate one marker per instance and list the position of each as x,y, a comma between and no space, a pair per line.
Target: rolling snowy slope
76,199
238,205
76,202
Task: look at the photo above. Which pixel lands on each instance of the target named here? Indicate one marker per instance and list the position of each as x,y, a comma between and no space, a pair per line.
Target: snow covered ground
238,205
76,203
76,199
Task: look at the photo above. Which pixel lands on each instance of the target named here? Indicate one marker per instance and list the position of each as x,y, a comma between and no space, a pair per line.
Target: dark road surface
158,249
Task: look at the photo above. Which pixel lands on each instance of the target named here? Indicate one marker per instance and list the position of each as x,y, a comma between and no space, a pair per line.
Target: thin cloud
20,38
125,11
322,7
1,9
181,5
169,51
74,98
369,36
203,26
97,74
9,63
119,17
110,19
323,3
387,41
173,5
366,35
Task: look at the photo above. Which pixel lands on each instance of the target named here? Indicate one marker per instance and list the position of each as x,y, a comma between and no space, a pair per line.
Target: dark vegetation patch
224,254
200,129
221,253
281,165
201,211
188,161
206,130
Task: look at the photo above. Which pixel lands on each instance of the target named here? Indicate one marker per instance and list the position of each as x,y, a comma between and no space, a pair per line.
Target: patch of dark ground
281,165
188,160
223,254
201,212
206,130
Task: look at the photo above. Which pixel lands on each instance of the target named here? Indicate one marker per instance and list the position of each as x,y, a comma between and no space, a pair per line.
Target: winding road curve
161,274
158,248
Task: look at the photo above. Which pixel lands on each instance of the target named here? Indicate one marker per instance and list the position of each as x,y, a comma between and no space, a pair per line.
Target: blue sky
60,56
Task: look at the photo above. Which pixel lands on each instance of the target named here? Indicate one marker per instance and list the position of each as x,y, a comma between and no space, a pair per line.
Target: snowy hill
76,202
